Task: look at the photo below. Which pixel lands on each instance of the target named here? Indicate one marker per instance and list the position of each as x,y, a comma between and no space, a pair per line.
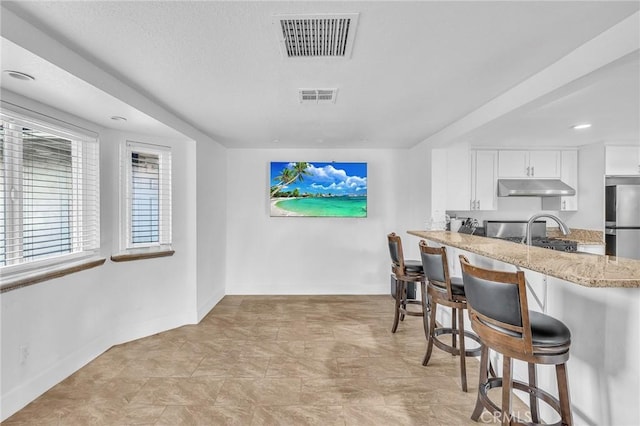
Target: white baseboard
209,304
126,332
17,398
13,400
300,290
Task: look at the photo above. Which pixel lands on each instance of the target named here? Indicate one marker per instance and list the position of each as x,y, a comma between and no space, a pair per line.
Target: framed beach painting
318,189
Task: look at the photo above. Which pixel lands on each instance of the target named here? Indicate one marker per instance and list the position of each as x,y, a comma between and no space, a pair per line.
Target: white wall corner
209,304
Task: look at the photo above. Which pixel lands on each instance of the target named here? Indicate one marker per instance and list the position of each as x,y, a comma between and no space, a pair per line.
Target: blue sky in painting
334,178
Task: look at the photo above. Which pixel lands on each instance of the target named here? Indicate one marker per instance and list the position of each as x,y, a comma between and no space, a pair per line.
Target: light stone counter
581,236
589,270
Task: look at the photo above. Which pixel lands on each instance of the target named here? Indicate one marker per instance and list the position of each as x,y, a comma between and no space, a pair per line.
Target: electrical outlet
24,354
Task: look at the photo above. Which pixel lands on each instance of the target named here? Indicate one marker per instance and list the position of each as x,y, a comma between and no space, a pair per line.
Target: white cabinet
528,164
622,160
470,179
513,164
544,164
458,179
569,175
484,180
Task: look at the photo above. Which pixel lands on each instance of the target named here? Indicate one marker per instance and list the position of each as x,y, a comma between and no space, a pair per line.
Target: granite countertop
581,236
589,270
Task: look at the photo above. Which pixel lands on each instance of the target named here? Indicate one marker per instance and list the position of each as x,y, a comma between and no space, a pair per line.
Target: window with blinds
145,198
49,192
147,193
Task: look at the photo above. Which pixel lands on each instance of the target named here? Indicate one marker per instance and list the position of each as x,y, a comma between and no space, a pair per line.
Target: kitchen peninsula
596,296
580,268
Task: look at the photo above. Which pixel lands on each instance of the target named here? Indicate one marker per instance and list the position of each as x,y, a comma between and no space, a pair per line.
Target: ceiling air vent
316,35
317,96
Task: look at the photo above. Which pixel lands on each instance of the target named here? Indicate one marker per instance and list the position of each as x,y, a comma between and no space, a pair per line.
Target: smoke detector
317,96
325,35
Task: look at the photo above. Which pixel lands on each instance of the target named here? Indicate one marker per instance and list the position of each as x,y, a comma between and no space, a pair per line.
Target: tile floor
268,360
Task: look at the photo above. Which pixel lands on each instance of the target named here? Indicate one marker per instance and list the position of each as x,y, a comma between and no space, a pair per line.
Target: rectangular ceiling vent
316,35
317,96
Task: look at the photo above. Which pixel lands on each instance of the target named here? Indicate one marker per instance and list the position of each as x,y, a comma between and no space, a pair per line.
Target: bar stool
406,271
446,291
499,313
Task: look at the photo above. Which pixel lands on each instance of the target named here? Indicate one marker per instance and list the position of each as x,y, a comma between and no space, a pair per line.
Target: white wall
66,322
163,287
304,255
211,162
590,214
414,206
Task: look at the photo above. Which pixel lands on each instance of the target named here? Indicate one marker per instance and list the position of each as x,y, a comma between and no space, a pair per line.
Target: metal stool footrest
456,351
496,382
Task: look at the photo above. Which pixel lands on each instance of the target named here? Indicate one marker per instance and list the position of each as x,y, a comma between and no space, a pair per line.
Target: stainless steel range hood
533,188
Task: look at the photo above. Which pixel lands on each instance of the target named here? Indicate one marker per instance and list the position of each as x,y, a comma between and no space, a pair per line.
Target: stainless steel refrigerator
622,216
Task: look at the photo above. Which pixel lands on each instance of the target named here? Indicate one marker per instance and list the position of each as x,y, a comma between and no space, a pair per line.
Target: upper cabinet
457,179
569,175
528,164
464,179
622,160
470,179
484,180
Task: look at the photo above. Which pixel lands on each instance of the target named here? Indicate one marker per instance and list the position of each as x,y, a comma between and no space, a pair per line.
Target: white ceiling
56,87
416,68
609,99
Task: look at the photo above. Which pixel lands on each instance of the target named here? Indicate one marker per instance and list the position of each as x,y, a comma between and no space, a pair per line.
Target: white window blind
49,191
147,189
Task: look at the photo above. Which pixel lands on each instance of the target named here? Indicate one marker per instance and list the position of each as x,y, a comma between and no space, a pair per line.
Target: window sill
140,255
57,272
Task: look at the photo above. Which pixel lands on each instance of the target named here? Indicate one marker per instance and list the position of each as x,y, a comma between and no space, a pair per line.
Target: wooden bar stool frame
440,293
516,344
404,276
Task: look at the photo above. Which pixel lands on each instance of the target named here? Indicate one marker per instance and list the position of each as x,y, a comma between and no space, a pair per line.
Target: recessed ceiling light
581,126
118,118
19,75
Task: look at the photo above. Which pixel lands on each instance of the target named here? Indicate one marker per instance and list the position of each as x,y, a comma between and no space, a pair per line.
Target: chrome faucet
563,226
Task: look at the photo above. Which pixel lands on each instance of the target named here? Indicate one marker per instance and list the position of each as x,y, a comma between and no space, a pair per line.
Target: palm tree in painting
285,176
289,175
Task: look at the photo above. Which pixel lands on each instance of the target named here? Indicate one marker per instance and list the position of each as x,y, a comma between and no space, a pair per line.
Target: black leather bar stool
406,271
447,291
499,313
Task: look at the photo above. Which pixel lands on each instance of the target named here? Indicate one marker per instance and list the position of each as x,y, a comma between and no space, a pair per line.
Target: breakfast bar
586,269
596,296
